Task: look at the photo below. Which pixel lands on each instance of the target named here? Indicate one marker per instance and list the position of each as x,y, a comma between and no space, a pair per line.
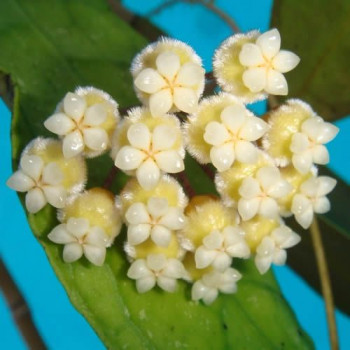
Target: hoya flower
79,239
219,248
272,248
307,145
168,75
311,198
251,65
152,147
222,131
209,286
259,194
156,269
156,220
85,120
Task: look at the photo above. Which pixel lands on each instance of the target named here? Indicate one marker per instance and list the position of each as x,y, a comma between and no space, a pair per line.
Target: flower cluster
265,167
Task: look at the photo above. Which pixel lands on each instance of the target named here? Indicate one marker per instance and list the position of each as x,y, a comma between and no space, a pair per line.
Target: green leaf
48,48
318,31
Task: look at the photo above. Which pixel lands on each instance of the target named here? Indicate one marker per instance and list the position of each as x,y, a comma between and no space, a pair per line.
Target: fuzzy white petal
160,102
170,161
285,61
72,252
129,158
137,214
20,182
266,247
302,210
284,237
250,188
157,207
139,136
210,296
251,55
138,233
190,75
139,269
78,226
325,185
255,79
222,156
276,83
168,64
174,219
97,237
95,115
216,134
320,155
163,137
145,284
74,106
270,43
185,99
280,189
35,200
239,250
263,263
222,261
32,166
213,241
60,235
96,138
52,174
302,162
268,176
148,174
327,133
174,269
59,124
198,290
95,254
55,195
73,144
149,81
246,152
322,205
248,208
166,283
279,257
233,117
268,208
204,257
161,235
253,129
156,262
300,143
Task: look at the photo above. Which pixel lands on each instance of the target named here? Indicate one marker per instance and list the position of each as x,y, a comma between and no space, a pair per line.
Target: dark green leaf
49,47
318,31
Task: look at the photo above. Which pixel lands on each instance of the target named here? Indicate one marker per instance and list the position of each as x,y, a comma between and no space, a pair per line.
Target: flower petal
139,136
302,210
248,208
213,241
32,166
157,207
74,106
246,152
216,134
279,257
60,235
322,205
190,75
78,227
35,200
325,185
263,263
174,219
276,83
268,208
300,143
160,235
148,174
270,43
251,55
52,174
233,117
170,161
59,124
250,188
253,129
268,176
174,269
285,61
222,156
302,162
167,284
185,99
327,133
149,81
156,262
138,233
145,284
95,254
198,290
204,257
129,158
160,102
255,79
168,64
97,237
55,195
20,182
163,137
73,144
96,138
139,269
320,155
95,115
222,261
137,214
72,252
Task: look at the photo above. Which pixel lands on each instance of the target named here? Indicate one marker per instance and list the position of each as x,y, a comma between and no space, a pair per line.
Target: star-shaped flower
259,194
218,248
170,84
156,269
43,182
272,248
307,145
208,287
150,153
79,238
156,220
311,198
83,127
265,63
232,138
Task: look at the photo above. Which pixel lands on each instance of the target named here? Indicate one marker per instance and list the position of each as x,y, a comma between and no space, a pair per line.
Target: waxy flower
156,220
85,120
272,248
219,248
209,286
259,193
307,145
156,269
168,76
79,239
311,198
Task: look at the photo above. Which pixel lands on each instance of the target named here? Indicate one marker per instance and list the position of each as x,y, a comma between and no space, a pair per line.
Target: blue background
58,322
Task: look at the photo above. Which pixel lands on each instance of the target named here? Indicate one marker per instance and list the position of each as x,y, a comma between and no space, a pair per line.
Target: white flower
157,220
231,139
170,84
272,248
42,182
208,287
79,238
218,248
259,194
307,145
150,153
265,64
80,125
156,269
312,198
